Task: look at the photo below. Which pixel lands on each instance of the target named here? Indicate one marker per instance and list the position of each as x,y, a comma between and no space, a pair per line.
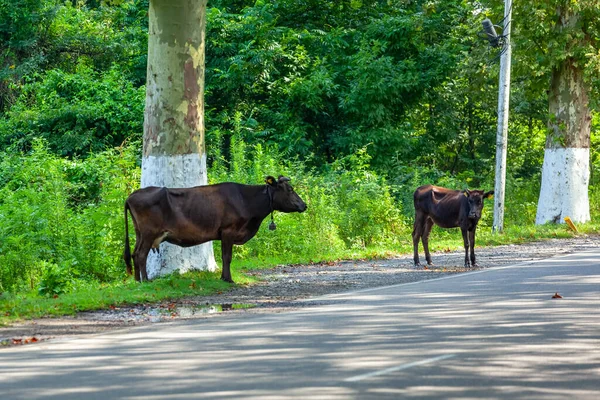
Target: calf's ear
270,181
488,195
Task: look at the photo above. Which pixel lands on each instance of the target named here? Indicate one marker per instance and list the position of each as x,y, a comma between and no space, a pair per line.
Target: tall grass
349,206
62,220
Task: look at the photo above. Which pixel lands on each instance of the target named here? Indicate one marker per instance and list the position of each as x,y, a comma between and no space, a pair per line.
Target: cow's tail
127,251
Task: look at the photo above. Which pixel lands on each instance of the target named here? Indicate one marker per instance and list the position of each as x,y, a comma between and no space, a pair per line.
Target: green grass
89,297
440,240
451,239
93,297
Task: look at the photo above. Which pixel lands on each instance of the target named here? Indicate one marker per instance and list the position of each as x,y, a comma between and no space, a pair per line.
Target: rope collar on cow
272,225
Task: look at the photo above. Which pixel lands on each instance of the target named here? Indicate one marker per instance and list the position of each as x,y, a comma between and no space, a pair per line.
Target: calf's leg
465,235
425,238
417,233
226,251
472,248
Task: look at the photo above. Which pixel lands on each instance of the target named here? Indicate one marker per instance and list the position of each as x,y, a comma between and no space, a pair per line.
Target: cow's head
475,199
284,197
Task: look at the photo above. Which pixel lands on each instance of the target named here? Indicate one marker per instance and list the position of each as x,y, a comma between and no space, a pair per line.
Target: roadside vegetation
358,102
62,228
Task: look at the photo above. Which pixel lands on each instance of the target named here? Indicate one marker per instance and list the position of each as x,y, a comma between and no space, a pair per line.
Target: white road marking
398,368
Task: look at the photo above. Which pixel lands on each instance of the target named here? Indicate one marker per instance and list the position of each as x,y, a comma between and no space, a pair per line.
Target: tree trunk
174,151
565,173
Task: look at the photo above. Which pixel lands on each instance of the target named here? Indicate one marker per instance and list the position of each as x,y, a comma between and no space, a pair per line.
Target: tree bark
174,150
565,173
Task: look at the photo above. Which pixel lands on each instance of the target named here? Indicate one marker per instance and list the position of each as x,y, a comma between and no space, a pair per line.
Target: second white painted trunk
182,170
565,181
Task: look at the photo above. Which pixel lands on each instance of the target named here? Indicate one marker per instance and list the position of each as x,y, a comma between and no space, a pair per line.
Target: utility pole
502,133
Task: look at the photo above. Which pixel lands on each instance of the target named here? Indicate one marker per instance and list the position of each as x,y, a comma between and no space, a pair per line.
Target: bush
54,280
44,221
61,220
76,113
349,206
367,211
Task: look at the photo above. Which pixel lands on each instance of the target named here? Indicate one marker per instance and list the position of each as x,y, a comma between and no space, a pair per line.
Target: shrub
77,113
368,213
54,280
46,224
349,206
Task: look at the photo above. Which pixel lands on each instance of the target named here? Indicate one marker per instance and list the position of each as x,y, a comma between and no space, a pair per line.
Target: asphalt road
489,334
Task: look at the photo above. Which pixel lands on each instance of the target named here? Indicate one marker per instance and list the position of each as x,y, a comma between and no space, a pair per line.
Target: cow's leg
465,235
140,255
472,248
416,235
425,238
226,252
136,265
143,270
136,270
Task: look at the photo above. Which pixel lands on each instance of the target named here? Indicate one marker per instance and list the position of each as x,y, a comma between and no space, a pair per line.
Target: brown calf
448,209
229,212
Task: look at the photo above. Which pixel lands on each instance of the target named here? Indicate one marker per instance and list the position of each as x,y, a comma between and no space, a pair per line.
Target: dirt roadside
286,288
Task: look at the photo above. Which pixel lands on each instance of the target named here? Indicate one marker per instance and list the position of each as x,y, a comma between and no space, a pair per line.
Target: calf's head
475,200
285,199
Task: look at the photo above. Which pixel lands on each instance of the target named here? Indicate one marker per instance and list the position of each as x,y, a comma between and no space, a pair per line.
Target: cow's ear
488,195
283,179
466,192
270,181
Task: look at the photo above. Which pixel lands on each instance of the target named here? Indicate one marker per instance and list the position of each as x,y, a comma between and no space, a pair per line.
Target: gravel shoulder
286,288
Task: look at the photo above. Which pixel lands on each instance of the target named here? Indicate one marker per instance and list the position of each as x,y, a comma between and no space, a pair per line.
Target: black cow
229,212
448,209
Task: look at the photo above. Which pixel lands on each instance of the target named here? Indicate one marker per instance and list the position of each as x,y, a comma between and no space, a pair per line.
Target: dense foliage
359,101
61,220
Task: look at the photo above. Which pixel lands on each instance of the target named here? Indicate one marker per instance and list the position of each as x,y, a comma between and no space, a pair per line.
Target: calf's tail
127,252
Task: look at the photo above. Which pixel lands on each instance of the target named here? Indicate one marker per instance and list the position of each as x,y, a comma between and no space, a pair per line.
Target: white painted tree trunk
177,171
174,153
565,181
565,173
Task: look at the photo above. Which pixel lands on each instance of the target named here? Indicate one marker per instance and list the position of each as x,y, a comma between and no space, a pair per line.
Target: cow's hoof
229,280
